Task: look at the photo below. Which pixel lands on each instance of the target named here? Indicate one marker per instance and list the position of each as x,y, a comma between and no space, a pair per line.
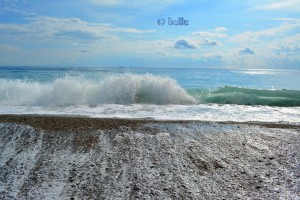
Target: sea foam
77,90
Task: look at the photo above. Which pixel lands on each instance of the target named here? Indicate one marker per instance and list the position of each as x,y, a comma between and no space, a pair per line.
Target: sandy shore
60,157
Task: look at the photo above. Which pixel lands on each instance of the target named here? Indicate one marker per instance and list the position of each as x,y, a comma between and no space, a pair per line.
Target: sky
111,33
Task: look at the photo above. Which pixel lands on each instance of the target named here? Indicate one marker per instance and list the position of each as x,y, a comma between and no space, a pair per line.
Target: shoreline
72,122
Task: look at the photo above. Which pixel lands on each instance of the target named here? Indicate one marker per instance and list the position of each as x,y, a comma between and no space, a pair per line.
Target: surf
77,90
128,88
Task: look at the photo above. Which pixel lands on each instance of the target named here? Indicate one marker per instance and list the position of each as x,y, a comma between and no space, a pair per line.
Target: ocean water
153,93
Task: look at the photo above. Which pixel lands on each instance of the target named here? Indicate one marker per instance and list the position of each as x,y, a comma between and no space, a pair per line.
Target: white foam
205,112
70,90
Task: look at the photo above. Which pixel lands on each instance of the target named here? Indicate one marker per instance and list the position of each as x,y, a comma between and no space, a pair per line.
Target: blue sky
112,33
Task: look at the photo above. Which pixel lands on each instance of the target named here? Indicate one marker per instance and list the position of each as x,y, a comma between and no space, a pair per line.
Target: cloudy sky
112,33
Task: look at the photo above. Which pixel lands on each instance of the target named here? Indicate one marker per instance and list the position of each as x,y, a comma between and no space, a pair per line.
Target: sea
238,95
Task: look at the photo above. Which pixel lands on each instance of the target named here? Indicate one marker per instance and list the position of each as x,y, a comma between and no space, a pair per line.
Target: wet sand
63,157
79,123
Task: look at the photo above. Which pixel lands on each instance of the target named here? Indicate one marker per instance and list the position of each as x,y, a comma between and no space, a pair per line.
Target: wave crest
244,96
114,89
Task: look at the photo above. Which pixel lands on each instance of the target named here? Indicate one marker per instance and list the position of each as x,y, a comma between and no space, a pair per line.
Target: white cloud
252,49
133,30
201,38
289,44
273,47
207,34
106,2
256,36
287,19
281,5
221,29
145,4
50,41
69,29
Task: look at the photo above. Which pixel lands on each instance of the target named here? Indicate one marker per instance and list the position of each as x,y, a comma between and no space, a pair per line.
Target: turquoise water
187,78
93,86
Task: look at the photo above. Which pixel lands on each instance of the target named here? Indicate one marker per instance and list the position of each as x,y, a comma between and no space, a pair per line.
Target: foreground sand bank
77,123
45,157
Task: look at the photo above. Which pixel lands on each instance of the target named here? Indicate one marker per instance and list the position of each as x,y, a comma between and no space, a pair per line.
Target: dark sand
61,157
76,123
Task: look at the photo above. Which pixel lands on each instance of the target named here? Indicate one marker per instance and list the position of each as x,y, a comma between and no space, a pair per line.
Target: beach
72,157
160,99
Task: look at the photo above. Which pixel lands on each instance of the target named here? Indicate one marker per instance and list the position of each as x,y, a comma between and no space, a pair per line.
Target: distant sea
264,95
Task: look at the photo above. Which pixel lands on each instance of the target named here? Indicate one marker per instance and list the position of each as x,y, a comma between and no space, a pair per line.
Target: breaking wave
114,89
244,96
133,89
